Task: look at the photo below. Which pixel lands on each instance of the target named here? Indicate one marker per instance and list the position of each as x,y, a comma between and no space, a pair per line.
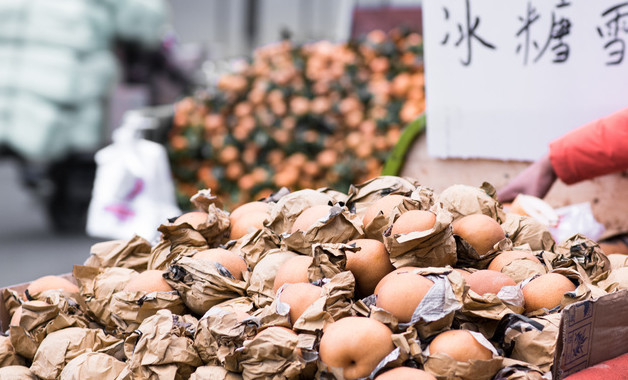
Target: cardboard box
591,331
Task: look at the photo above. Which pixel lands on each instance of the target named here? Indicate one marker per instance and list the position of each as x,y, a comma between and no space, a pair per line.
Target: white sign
504,78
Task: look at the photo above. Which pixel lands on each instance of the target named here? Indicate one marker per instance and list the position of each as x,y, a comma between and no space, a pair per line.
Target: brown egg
368,265
309,216
299,296
51,282
230,260
400,295
488,281
507,257
461,345
412,221
148,281
392,274
546,291
246,224
463,272
249,208
405,373
15,319
384,205
356,345
481,231
292,271
193,218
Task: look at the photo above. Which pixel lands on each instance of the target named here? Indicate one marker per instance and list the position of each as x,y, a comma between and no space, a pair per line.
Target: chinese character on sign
614,29
467,33
559,28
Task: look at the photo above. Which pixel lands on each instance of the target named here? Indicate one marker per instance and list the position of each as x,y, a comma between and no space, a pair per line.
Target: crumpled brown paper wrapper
338,227
617,280
527,230
132,254
334,303
518,370
213,372
162,347
531,340
94,366
220,333
522,269
36,322
270,354
8,356
287,209
98,285
61,346
16,372
129,309
444,366
463,200
203,284
361,196
203,199
261,282
421,198
435,247
12,300
582,254
176,241
487,310
254,246
468,257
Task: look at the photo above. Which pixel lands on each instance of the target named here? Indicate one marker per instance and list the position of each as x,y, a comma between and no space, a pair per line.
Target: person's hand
536,180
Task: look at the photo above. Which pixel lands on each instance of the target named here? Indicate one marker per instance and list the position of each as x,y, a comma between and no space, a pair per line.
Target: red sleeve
595,149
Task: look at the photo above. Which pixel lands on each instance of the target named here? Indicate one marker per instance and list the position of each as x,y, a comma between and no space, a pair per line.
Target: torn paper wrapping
518,370
361,196
177,240
338,227
254,246
129,309
582,254
214,372
203,199
94,366
132,254
16,372
271,352
203,284
468,257
61,310
435,247
617,280
485,311
98,285
531,340
521,269
527,230
287,209
261,282
162,347
61,346
463,200
8,356
12,300
442,365
334,303
220,333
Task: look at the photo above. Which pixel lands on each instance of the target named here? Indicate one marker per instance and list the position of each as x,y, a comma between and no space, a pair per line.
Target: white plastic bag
576,219
133,190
